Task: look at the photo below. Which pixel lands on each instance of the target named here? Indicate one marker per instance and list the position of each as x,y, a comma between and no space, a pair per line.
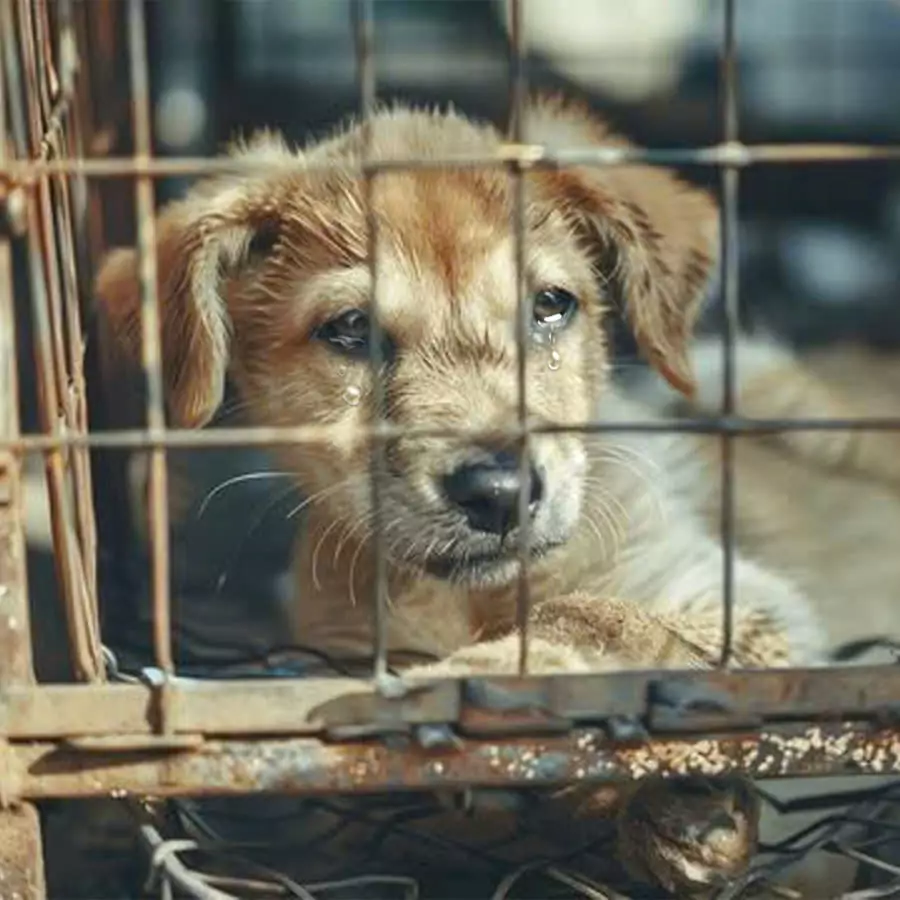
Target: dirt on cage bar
296,776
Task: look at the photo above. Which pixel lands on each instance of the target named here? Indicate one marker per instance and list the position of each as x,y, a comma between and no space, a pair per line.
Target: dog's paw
501,657
689,835
613,633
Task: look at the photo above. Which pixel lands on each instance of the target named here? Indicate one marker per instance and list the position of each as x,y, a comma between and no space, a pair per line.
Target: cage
141,730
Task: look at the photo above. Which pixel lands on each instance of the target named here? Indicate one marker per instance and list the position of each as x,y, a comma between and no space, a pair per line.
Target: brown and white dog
265,278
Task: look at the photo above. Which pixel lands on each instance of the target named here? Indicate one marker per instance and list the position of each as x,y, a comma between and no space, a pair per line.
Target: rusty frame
171,736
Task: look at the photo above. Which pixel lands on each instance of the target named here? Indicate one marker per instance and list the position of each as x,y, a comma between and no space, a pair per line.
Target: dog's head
266,277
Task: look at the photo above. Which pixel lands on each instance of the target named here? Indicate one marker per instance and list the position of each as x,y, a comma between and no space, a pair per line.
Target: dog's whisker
222,580
353,561
636,464
314,563
315,498
614,529
262,475
350,531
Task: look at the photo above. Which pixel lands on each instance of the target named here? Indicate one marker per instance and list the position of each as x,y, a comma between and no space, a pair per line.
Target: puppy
265,278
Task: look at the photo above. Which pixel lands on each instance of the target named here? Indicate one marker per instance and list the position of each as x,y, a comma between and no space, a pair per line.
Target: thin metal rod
166,865
731,309
150,338
276,436
530,155
517,92
83,639
50,364
363,30
15,637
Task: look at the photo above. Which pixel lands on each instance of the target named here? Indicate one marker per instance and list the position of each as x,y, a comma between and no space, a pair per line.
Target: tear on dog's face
265,278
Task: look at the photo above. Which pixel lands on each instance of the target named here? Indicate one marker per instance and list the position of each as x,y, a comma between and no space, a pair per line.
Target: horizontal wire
735,155
271,436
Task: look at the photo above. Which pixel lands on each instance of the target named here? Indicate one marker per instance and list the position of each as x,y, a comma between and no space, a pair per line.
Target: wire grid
185,845
55,153
39,47
48,117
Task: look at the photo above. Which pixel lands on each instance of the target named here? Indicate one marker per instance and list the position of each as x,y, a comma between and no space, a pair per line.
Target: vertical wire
363,33
517,90
15,625
731,317
150,337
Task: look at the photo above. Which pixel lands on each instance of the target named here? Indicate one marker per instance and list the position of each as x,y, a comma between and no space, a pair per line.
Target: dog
265,280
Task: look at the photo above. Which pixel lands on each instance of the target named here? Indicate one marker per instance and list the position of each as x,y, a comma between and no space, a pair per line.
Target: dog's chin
485,569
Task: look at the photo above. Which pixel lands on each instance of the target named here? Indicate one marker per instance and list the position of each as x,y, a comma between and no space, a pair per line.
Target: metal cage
157,735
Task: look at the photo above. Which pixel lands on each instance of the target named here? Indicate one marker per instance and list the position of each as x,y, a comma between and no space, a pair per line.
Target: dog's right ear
201,241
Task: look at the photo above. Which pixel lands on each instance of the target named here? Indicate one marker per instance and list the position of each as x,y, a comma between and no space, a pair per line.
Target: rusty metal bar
306,766
273,436
70,220
56,370
15,627
529,155
72,579
15,640
707,702
364,38
21,854
731,319
150,340
518,86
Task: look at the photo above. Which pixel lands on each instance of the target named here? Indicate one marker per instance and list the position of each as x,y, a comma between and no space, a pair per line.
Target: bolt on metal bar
363,32
151,338
730,323
517,110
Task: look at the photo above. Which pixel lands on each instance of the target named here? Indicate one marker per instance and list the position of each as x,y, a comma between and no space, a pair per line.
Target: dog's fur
625,570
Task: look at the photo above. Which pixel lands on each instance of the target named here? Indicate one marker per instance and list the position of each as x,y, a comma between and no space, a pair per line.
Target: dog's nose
487,492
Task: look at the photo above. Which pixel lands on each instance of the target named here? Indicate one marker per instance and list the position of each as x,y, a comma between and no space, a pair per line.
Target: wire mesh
517,96
151,351
41,69
363,22
731,310
42,65
518,859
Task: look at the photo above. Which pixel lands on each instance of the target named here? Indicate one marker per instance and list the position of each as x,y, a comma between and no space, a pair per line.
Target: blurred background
819,240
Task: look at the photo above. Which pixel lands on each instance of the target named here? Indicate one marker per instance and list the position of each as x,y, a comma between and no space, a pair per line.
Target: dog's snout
487,491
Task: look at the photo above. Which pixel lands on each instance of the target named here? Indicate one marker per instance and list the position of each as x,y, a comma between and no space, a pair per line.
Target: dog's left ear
655,239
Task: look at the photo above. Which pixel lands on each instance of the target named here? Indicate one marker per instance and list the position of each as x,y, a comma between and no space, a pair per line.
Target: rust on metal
696,701
15,642
21,871
41,73
305,765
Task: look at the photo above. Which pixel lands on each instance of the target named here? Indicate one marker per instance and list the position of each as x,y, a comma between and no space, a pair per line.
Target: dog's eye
553,307
348,333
